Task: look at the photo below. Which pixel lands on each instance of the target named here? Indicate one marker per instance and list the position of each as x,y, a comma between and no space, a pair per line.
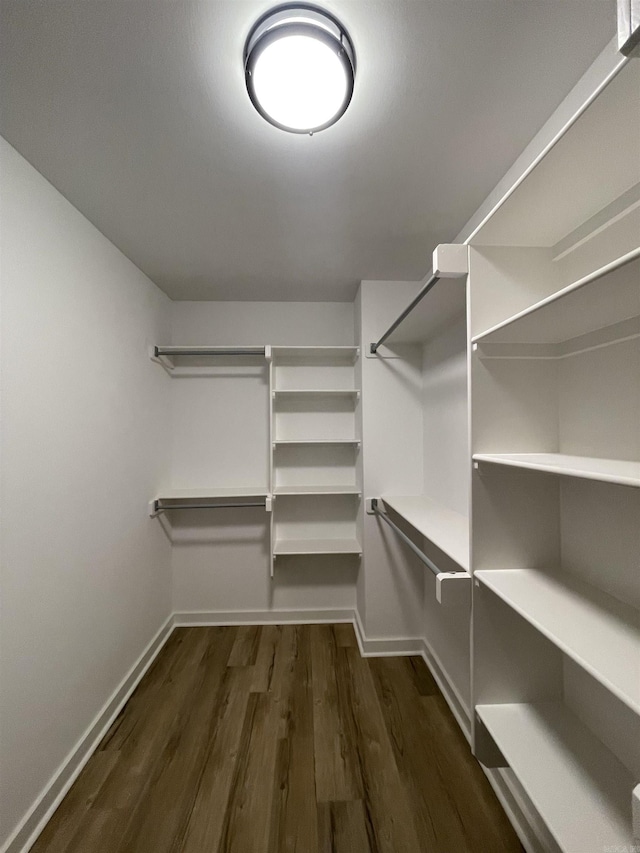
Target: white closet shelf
316,392
444,303
586,305
316,490
316,546
576,176
580,789
617,471
447,529
213,492
594,629
349,353
301,441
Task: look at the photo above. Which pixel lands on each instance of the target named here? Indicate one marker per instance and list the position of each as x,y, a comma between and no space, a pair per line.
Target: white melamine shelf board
447,529
312,392
438,309
316,546
317,490
171,349
594,629
556,197
580,789
581,307
618,471
305,353
213,492
302,441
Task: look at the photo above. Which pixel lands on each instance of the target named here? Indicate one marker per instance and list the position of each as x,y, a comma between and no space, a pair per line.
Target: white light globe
300,82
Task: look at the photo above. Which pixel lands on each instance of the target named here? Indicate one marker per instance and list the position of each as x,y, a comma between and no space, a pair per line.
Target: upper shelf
596,630
448,530
594,163
582,307
213,492
438,310
586,467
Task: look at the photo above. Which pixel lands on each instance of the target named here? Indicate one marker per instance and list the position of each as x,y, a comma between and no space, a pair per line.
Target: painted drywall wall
446,423
85,580
220,436
393,584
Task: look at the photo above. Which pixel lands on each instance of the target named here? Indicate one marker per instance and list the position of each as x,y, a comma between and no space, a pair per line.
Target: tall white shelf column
554,282
314,448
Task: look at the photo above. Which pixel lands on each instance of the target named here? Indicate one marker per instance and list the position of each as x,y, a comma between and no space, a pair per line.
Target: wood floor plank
247,823
280,739
265,658
345,635
388,809
342,828
446,797
424,682
236,710
294,808
337,767
159,820
474,799
245,647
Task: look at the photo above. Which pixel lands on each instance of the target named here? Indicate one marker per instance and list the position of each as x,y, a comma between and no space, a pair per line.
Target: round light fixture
299,67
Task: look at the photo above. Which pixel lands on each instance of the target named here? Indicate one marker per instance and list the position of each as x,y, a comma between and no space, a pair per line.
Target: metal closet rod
427,287
419,554
210,351
159,506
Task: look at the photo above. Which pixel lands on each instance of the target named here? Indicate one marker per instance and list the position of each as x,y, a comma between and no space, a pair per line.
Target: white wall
446,432
393,584
220,419
85,581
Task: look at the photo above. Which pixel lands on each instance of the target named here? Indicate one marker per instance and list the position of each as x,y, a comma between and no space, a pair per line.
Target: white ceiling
136,111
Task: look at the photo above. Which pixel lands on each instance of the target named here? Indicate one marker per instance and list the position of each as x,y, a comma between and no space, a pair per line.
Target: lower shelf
596,630
581,790
316,546
447,529
316,490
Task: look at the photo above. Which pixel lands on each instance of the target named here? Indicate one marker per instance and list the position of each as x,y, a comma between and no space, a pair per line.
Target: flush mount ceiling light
299,67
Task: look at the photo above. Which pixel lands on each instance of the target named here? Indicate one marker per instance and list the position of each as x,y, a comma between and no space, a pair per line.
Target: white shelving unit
448,530
315,447
554,286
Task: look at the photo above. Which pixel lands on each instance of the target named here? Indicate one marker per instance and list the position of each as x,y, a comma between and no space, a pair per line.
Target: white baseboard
384,646
260,617
25,834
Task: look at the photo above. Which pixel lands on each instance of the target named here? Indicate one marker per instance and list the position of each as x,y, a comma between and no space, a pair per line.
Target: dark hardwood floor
281,739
